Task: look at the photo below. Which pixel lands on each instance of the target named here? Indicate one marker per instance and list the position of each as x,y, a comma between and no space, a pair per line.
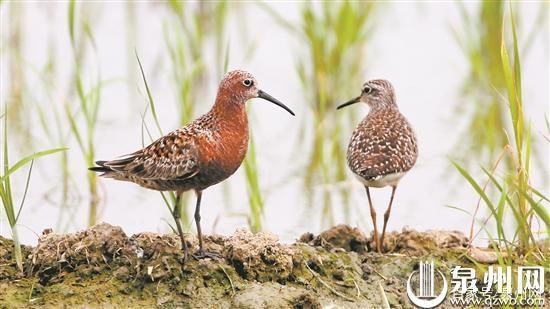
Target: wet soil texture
103,267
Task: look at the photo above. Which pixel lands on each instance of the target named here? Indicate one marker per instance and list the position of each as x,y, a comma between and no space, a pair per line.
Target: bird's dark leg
387,216
198,219
201,254
176,213
373,216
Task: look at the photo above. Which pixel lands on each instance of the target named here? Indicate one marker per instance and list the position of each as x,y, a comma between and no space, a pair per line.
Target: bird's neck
382,106
229,123
383,102
230,112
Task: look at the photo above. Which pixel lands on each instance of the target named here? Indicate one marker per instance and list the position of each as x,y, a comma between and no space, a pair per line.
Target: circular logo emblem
425,296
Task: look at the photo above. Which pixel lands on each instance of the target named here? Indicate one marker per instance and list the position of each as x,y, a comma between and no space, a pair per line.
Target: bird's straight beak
350,102
265,96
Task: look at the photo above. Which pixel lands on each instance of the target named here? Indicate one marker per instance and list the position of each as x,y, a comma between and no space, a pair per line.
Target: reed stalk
89,99
56,130
480,40
334,36
17,89
189,40
516,196
12,211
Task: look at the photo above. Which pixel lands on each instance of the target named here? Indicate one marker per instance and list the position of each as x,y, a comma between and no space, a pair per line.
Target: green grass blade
517,62
541,212
500,211
5,179
539,194
27,182
75,130
30,158
256,201
149,95
476,187
71,18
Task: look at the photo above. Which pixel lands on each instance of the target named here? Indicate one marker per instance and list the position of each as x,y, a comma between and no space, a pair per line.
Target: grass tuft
335,35
6,194
516,198
89,99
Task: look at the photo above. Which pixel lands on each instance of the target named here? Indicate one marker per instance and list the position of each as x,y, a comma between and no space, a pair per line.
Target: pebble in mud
338,275
306,301
122,273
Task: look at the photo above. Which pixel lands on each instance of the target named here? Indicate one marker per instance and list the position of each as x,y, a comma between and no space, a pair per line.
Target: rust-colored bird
383,147
198,155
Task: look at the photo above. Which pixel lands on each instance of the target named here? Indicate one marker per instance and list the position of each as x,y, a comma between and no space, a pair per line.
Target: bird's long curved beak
266,96
350,102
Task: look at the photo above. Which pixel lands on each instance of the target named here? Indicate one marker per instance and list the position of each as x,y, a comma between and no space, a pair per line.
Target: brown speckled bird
383,147
198,155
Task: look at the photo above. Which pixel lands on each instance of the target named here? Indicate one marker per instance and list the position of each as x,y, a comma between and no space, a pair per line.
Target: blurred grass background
329,73
499,135
327,38
480,39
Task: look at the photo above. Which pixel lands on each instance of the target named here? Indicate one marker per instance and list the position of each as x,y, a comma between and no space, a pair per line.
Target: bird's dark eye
248,82
367,89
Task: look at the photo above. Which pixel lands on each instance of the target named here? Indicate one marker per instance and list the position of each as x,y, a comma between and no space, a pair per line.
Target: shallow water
412,46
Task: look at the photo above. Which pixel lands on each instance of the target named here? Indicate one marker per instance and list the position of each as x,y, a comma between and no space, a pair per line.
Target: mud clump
306,301
416,243
102,266
8,268
408,241
86,251
259,256
340,236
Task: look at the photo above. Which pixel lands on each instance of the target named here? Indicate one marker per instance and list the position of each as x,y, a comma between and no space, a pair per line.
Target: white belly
382,181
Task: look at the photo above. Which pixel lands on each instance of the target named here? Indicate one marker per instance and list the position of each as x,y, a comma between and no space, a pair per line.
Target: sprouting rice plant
89,99
170,198
333,34
517,198
480,39
13,211
189,36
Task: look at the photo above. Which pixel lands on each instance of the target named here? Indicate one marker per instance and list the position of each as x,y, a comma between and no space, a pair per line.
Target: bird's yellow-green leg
373,216
387,216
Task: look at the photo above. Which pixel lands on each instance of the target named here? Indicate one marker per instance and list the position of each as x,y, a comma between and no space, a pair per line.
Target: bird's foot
185,258
185,251
201,254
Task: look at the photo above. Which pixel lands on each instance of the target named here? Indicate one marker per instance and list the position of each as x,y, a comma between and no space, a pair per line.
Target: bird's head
377,93
241,86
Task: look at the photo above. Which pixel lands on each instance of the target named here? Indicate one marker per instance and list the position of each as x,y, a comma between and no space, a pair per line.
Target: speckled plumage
383,147
383,144
198,155
194,157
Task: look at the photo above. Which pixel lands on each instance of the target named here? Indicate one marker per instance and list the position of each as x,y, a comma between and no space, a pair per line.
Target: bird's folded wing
170,157
378,165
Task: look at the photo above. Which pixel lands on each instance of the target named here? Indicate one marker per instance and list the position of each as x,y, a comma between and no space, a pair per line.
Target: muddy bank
102,266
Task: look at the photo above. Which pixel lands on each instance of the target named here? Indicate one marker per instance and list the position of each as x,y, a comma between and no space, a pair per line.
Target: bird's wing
173,156
378,165
386,149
